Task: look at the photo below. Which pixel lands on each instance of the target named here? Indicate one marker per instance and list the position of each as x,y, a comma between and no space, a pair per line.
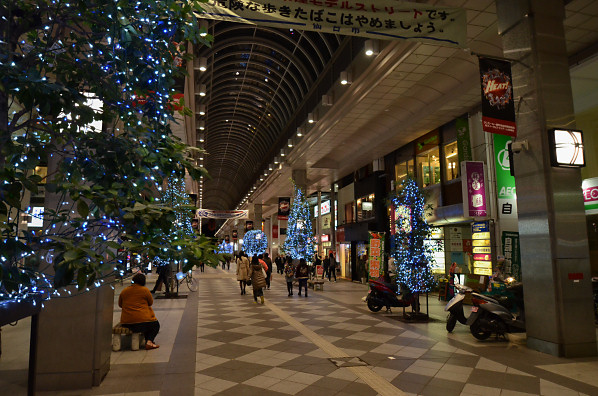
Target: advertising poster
510,247
248,225
590,195
284,208
474,189
505,183
235,235
274,231
376,253
498,105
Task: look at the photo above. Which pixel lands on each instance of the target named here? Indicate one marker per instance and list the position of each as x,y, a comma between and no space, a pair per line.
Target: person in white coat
242,271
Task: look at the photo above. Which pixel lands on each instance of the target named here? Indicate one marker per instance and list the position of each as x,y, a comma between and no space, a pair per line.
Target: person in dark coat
332,271
289,274
279,265
163,275
258,281
326,267
268,262
302,274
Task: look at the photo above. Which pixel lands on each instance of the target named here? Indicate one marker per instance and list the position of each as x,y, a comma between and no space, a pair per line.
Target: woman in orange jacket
137,313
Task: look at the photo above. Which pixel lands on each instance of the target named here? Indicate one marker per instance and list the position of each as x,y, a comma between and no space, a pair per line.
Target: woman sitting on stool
137,313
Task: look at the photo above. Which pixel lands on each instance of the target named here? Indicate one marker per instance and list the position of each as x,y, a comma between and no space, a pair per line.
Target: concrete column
552,225
332,217
300,179
257,216
319,224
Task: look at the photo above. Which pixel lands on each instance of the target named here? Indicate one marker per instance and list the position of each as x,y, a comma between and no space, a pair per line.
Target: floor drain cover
348,362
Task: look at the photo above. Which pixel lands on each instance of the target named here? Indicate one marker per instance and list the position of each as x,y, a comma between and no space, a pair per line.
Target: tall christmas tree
300,239
255,242
412,256
176,197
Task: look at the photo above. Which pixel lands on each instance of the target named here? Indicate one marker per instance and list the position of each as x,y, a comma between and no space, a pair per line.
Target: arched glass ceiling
257,78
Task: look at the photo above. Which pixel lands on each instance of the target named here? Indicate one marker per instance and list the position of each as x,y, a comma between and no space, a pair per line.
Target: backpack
289,270
303,271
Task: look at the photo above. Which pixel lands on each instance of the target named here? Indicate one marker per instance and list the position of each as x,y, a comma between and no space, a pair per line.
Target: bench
316,283
137,339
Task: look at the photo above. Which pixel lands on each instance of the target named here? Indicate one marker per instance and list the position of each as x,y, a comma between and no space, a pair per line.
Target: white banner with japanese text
381,19
222,214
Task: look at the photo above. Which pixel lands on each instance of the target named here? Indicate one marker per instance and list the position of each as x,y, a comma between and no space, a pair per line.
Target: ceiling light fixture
312,117
202,109
300,131
371,47
290,143
203,63
202,125
345,78
203,27
202,90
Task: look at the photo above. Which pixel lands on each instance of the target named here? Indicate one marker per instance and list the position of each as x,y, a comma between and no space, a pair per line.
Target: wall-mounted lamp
371,47
312,117
270,167
201,109
566,148
203,27
282,153
345,77
201,138
276,160
300,131
202,90
203,63
327,100
290,143
201,125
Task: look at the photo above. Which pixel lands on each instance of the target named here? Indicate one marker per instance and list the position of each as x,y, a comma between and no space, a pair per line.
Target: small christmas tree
255,242
412,257
299,243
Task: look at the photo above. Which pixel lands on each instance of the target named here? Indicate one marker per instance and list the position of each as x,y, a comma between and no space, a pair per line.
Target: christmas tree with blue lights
300,238
412,256
255,242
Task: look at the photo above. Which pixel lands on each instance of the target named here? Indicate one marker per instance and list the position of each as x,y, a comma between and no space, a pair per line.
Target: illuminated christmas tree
255,242
412,256
300,239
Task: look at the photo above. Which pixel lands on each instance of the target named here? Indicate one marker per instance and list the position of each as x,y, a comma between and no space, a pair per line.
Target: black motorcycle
498,315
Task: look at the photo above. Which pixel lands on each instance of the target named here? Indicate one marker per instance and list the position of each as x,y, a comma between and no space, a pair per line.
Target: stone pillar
552,226
319,224
257,216
332,217
300,179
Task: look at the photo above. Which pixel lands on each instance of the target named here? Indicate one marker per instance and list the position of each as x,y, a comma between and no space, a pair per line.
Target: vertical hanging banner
505,182
274,231
376,253
463,141
284,208
510,246
474,189
498,106
381,19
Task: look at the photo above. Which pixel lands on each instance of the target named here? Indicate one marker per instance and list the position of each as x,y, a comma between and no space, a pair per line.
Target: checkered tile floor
245,348
218,342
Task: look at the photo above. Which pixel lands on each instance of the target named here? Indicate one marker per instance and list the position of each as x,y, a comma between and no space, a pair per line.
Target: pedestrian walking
289,274
242,271
258,280
332,271
302,274
280,264
268,262
326,264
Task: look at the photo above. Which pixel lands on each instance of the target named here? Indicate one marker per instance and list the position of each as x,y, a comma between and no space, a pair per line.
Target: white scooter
455,307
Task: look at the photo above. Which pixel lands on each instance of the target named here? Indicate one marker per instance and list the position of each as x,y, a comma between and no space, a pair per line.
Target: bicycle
180,277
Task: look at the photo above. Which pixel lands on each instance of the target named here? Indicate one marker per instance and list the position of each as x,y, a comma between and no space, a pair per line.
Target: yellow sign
482,271
481,235
482,250
480,242
482,264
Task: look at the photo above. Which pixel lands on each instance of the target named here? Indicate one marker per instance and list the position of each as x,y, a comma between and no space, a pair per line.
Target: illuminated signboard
482,250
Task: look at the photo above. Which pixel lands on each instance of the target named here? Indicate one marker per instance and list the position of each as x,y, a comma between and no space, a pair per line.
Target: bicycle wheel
192,283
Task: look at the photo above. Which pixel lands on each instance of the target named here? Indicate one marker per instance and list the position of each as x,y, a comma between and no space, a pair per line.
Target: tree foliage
412,256
300,238
86,89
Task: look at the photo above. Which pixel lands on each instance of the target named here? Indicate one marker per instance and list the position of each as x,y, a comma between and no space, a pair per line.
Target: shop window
404,171
451,155
365,207
428,168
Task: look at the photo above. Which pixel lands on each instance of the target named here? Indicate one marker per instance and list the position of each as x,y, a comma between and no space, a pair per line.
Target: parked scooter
383,294
497,315
455,307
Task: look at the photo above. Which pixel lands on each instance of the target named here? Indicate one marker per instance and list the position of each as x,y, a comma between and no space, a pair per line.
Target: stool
137,339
